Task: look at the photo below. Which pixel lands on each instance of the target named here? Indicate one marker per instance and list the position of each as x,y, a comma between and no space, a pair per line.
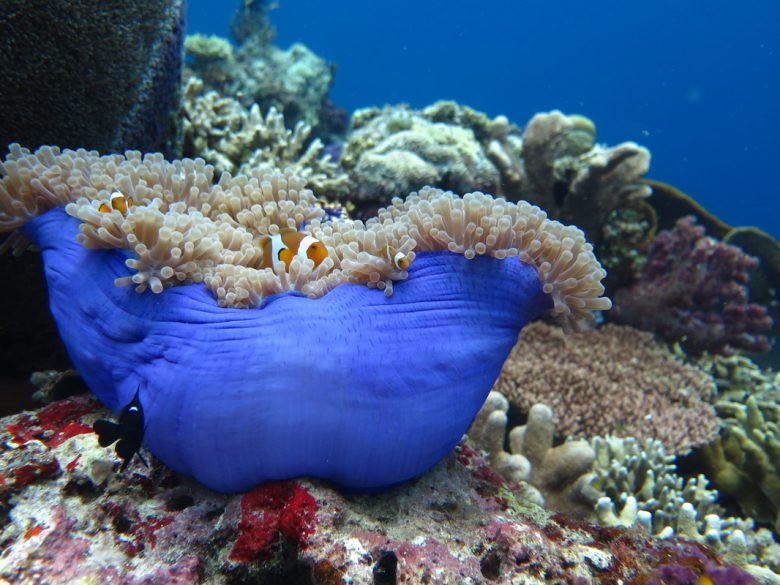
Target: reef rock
63,501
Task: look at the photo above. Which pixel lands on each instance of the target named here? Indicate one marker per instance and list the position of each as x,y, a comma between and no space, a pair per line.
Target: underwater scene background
695,82
436,292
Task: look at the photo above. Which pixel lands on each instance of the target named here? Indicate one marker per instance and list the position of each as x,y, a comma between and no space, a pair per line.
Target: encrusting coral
605,381
273,368
694,289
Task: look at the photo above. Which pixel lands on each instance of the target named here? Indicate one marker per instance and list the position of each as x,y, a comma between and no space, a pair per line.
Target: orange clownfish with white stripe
119,202
398,260
288,244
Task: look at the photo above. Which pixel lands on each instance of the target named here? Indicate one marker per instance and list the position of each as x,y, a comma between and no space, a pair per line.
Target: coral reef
642,488
574,179
235,139
744,463
396,150
127,75
694,289
456,523
478,270
559,477
618,482
295,82
606,381
554,164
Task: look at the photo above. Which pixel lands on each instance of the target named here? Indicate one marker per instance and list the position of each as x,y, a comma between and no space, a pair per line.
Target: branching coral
617,482
560,475
606,381
232,138
693,289
745,461
642,489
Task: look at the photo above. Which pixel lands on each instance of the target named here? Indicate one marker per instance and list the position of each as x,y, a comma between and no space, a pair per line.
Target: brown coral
613,380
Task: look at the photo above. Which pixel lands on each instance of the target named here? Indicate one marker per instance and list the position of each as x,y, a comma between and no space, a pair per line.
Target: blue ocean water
697,82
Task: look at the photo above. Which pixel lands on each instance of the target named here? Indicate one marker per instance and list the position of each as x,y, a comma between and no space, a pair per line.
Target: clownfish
289,243
118,202
398,260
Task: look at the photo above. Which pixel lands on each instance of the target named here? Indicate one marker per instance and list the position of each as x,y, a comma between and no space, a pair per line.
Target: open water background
697,82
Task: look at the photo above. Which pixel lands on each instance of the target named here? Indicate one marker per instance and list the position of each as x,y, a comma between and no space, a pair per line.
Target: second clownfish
288,244
398,260
118,201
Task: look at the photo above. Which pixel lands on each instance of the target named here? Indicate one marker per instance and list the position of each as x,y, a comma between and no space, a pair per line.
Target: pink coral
694,289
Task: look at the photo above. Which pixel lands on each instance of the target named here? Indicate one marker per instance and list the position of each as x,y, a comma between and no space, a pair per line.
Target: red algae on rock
270,511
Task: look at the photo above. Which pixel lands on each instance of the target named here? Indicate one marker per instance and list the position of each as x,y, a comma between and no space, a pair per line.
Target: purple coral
694,289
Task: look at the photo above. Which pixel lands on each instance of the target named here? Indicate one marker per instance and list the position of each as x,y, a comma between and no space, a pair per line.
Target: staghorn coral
560,476
80,75
693,289
574,179
307,337
605,381
230,137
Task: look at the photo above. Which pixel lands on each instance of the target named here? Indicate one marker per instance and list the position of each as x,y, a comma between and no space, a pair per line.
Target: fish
289,243
129,431
398,260
119,202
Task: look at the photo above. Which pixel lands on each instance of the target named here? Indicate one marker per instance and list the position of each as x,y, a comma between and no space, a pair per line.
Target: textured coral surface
68,516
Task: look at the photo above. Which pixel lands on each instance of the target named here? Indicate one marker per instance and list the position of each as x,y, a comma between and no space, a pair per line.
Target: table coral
605,381
694,289
293,369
